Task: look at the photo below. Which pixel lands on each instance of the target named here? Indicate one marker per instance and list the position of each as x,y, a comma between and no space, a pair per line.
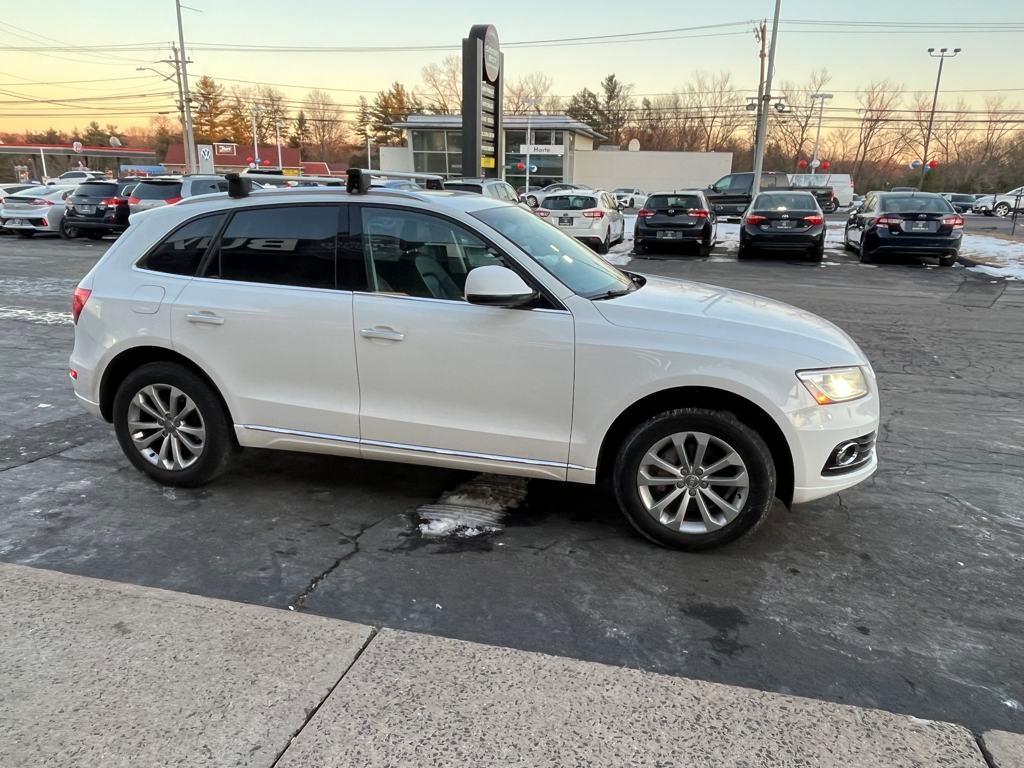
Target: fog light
846,454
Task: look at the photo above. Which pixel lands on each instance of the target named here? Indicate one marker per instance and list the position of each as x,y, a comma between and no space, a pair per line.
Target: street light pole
942,55
255,139
817,136
277,136
190,139
762,119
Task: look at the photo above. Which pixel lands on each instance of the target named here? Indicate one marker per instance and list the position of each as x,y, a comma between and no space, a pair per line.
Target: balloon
802,164
933,164
915,164
825,165
520,166
266,162
248,159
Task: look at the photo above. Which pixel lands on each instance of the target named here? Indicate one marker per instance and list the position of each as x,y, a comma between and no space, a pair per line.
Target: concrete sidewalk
97,673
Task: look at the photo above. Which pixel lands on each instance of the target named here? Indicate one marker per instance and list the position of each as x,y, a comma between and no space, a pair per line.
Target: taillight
41,201
113,201
956,222
173,200
888,221
645,213
78,300
699,213
594,214
133,201
755,218
814,219
542,214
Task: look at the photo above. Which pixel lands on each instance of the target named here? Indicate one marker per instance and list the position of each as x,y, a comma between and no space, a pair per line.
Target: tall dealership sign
483,140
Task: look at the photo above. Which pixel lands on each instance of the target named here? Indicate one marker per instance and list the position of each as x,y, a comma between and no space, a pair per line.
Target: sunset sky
655,63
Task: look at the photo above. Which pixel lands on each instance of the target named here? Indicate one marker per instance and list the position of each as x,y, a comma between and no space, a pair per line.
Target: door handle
205,318
382,332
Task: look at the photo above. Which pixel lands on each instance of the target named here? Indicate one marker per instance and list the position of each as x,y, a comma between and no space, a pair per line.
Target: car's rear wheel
531,201
604,245
817,253
24,232
694,478
1002,209
639,247
171,425
67,230
846,241
745,251
866,256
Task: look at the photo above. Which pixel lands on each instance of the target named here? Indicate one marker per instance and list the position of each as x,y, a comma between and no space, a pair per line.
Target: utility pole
255,137
761,33
942,55
176,62
190,139
817,136
762,118
277,137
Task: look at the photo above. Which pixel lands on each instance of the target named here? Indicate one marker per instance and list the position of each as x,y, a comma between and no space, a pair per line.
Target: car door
731,194
615,216
270,319
489,387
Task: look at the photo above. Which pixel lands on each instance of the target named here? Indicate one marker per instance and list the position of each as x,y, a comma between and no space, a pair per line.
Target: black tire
866,256
219,445
531,201
832,207
818,252
26,233
721,425
1001,209
603,246
846,241
947,261
744,252
704,249
639,248
67,231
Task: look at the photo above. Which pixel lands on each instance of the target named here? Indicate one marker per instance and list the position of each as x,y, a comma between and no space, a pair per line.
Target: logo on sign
225,149
206,153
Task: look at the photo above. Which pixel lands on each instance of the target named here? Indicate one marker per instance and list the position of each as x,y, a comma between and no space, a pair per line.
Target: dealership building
560,149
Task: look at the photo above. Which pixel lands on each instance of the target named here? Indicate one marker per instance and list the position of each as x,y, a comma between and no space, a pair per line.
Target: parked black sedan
915,223
783,221
961,203
675,218
97,208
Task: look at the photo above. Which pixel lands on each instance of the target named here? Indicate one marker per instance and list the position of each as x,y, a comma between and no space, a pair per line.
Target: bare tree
878,102
326,123
716,108
441,91
795,128
532,91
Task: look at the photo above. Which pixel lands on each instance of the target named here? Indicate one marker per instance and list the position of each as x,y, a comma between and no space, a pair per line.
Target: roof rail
357,181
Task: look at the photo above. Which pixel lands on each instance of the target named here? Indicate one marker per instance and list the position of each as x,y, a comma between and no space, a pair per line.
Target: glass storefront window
454,141
429,162
428,141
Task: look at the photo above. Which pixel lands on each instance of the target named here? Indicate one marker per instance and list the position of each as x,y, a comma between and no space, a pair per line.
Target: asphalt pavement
902,594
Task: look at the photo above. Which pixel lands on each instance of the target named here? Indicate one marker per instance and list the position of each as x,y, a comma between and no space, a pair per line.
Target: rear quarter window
181,252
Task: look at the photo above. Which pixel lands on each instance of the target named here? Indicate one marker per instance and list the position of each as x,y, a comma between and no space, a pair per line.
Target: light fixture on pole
762,123
941,55
817,136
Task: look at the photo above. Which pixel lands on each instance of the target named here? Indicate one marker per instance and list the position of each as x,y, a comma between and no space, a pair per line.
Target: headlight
834,385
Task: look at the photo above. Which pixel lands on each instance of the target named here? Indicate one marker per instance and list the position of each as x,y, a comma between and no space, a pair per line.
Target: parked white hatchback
455,330
592,216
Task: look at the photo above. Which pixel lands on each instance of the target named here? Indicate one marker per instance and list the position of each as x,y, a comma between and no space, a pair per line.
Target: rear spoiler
357,182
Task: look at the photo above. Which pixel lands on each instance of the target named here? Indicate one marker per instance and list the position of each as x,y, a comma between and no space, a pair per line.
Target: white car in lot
1000,205
37,210
630,197
459,331
592,216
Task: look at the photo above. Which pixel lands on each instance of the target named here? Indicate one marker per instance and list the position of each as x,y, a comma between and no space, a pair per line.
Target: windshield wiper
613,293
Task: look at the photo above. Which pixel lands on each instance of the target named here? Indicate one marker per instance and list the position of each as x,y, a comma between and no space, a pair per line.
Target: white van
841,183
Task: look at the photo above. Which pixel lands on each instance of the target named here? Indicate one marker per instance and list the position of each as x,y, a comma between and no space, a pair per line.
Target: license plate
669,235
783,224
17,222
85,208
919,226
565,221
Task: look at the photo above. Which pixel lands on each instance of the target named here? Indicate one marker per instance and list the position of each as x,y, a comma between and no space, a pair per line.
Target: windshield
626,190
569,202
915,204
778,202
686,202
575,265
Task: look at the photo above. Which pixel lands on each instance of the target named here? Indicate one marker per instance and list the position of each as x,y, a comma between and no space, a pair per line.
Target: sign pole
482,136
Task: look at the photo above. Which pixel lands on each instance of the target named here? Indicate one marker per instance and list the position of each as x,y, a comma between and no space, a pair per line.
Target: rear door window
181,252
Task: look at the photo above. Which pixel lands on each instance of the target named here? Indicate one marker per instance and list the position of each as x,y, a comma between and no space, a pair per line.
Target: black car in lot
961,203
783,221
675,218
97,208
914,223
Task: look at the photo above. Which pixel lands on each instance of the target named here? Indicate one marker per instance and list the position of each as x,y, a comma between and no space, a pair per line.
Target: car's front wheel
694,478
171,425
1002,209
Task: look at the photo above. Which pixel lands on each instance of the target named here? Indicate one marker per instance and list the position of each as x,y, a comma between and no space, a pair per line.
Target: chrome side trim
415,448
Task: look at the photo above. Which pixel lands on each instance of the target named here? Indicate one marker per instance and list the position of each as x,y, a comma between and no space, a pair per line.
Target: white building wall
398,159
650,171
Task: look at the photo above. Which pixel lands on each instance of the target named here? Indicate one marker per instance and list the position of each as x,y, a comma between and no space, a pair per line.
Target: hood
729,316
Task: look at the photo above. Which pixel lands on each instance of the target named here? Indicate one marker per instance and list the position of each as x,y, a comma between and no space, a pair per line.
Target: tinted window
795,202
569,202
686,202
149,190
476,189
290,245
181,252
963,198
414,254
207,186
915,204
93,189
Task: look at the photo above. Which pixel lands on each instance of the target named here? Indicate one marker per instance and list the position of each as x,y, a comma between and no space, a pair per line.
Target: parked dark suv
97,208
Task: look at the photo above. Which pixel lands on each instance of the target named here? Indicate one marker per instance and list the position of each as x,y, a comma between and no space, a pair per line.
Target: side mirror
497,286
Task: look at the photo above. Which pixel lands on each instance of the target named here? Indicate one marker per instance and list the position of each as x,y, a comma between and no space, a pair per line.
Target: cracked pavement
903,593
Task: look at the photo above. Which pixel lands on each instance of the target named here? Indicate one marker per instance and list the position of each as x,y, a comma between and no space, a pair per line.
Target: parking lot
903,593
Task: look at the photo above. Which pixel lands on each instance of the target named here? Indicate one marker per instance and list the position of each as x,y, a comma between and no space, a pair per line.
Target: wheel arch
745,410
130,359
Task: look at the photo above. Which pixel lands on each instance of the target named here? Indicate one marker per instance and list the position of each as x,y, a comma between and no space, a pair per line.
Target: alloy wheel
166,427
693,482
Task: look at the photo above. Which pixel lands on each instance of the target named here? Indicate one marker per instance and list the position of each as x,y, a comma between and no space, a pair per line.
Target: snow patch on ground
41,317
996,257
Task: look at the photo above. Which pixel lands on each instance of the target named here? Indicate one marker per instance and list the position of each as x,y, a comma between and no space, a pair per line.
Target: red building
228,156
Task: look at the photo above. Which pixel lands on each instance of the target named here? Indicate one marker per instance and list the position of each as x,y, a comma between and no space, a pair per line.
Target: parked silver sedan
37,209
